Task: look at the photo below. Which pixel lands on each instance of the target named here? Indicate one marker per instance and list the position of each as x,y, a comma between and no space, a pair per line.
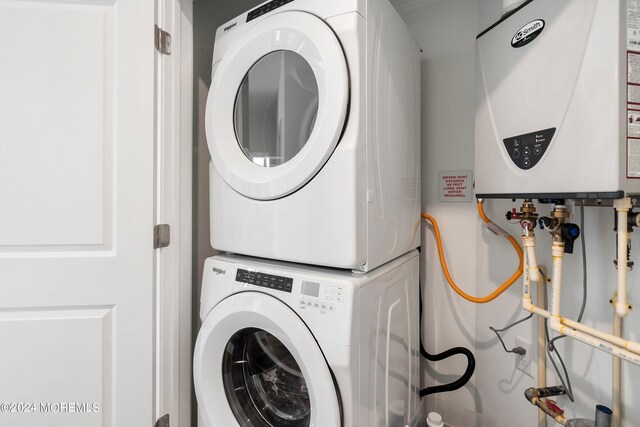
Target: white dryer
313,125
287,346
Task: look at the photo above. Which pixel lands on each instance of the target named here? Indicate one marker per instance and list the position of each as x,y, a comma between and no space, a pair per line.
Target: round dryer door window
276,108
277,105
264,384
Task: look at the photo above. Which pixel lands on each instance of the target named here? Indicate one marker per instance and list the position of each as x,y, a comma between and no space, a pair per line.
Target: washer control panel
264,280
266,8
527,150
321,297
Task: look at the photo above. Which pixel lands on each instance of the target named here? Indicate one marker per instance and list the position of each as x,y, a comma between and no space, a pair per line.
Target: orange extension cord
495,294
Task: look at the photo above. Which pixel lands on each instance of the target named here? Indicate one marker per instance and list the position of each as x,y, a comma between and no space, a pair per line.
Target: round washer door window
276,108
277,105
263,382
256,364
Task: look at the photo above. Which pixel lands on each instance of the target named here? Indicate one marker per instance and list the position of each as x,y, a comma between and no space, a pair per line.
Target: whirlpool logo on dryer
219,271
528,33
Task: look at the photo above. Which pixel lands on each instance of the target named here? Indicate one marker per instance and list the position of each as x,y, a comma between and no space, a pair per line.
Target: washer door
256,364
277,105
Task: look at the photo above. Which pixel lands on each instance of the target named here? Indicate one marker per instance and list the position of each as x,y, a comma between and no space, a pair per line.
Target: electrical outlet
523,361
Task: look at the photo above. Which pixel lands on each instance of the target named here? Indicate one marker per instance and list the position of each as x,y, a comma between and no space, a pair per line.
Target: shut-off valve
560,229
556,224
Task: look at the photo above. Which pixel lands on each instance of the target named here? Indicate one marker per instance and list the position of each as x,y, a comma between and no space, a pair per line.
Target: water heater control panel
527,150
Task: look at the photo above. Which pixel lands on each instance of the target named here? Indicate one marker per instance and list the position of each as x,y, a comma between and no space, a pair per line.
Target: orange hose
495,294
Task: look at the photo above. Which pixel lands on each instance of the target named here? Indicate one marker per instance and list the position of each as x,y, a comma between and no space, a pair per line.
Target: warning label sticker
633,89
633,25
633,124
456,186
633,158
633,94
634,67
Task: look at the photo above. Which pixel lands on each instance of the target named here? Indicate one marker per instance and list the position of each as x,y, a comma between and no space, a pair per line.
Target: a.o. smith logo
227,28
528,33
218,271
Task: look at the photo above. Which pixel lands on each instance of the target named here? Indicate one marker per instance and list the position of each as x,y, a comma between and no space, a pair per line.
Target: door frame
173,198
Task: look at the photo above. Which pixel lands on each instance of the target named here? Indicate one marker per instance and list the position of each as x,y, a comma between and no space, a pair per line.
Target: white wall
480,262
443,29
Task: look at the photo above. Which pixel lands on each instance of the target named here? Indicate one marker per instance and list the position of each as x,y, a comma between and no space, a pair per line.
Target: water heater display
527,150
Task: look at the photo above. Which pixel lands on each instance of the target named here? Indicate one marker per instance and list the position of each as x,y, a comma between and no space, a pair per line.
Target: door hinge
161,236
163,41
163,422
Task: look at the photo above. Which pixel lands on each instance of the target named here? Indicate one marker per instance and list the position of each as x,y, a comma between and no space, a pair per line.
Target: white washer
287,346
313,125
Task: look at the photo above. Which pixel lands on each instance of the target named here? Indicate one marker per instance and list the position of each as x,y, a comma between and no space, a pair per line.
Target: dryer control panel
266,8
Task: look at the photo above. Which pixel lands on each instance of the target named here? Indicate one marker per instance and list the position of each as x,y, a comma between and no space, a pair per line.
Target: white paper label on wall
634,67
633,25
456,186
634,94
633,158
633,124
633,89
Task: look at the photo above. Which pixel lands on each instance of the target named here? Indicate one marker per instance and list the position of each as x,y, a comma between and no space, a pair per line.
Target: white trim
262,311
312,39
174,124
185,343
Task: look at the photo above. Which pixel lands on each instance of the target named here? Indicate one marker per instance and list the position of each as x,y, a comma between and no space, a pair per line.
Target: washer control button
516,153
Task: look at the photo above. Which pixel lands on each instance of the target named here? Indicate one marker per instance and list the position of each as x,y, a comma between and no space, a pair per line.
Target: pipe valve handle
569,232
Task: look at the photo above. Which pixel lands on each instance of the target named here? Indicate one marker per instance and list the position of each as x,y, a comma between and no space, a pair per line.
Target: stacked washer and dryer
310,318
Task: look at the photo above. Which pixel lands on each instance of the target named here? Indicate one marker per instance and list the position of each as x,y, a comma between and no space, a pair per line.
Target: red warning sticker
456,186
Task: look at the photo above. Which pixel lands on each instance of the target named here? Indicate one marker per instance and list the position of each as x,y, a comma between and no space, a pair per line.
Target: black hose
460,382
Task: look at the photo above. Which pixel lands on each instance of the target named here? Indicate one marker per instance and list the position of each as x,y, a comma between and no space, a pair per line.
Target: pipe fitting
555,324
532,266
536,397
557,249
623,204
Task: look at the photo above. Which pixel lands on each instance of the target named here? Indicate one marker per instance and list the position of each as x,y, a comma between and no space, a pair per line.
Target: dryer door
256,364
277,105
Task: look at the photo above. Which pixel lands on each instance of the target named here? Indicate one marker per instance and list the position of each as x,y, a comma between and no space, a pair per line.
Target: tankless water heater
558,101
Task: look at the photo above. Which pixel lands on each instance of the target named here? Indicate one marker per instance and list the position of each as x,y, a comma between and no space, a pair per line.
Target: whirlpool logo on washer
528,33
227,28
218,271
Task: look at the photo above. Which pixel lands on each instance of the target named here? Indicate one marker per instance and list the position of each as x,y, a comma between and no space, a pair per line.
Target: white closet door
76,213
